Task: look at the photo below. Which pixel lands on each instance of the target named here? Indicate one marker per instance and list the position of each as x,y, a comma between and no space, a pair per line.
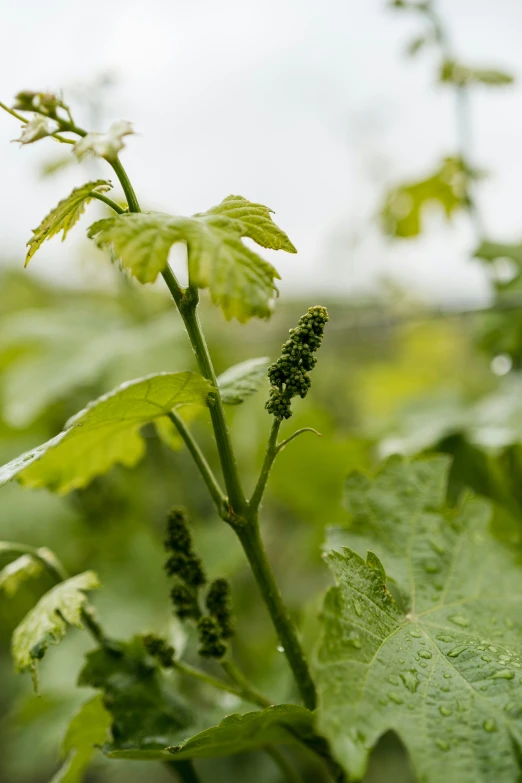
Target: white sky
307,106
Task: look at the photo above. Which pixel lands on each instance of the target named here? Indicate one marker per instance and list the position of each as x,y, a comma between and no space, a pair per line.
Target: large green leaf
47,622
281,724
438,659
65,215
240,381
238,279
147,715
105,433
88,728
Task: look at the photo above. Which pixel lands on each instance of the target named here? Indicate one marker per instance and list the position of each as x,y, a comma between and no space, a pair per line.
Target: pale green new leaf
47,622
107,432
65,215
281,724
242,380
238,279
15,573
462,75
437,657
88,728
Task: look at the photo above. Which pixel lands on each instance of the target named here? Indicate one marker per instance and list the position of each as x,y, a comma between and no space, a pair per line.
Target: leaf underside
239,280
47,622
440,661
242,380
106,432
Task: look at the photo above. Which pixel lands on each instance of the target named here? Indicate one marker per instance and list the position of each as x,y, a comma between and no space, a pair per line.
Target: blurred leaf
105,433
147,714
383,663
18,571
47,622
88,728
281,724
239,280
53,165
240,381
416,44
65,215
461,75
401,213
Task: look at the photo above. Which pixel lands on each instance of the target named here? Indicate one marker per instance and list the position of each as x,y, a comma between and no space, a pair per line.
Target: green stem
125,182
245,522
250,538
199,458
106,200
185,771
208,679
272,450
248,692
187,305
14,113
270,455
291,775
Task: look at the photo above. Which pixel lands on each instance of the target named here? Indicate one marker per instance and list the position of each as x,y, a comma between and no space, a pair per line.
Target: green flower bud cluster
210,642
158,648
289,376
185,565
219,606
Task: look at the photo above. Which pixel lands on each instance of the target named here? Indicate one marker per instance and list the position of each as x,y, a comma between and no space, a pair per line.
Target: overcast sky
309,107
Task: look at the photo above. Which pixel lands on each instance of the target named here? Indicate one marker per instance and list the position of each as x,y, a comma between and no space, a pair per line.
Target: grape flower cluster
290,375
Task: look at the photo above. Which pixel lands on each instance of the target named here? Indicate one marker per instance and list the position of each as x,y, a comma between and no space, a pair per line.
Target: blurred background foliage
394,375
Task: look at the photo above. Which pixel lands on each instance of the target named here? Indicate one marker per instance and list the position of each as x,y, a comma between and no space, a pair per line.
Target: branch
201,463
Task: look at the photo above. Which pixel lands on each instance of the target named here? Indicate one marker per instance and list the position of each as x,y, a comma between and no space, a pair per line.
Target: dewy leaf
439,661
240,381
65,215
402,211
105,433
146,714
88,728
461,75
14,574
47,622
281,724
238,279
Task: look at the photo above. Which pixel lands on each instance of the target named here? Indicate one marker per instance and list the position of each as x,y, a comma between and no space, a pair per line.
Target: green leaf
461,75
238,279
65,215
105,433
88,728
14,574
240,381
147,715
437,656
47,622
281,724
402,211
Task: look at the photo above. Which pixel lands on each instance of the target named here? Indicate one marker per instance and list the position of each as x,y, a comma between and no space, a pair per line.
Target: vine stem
185,771
243,686
250,537
199,458
286,768
243,519
239,687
